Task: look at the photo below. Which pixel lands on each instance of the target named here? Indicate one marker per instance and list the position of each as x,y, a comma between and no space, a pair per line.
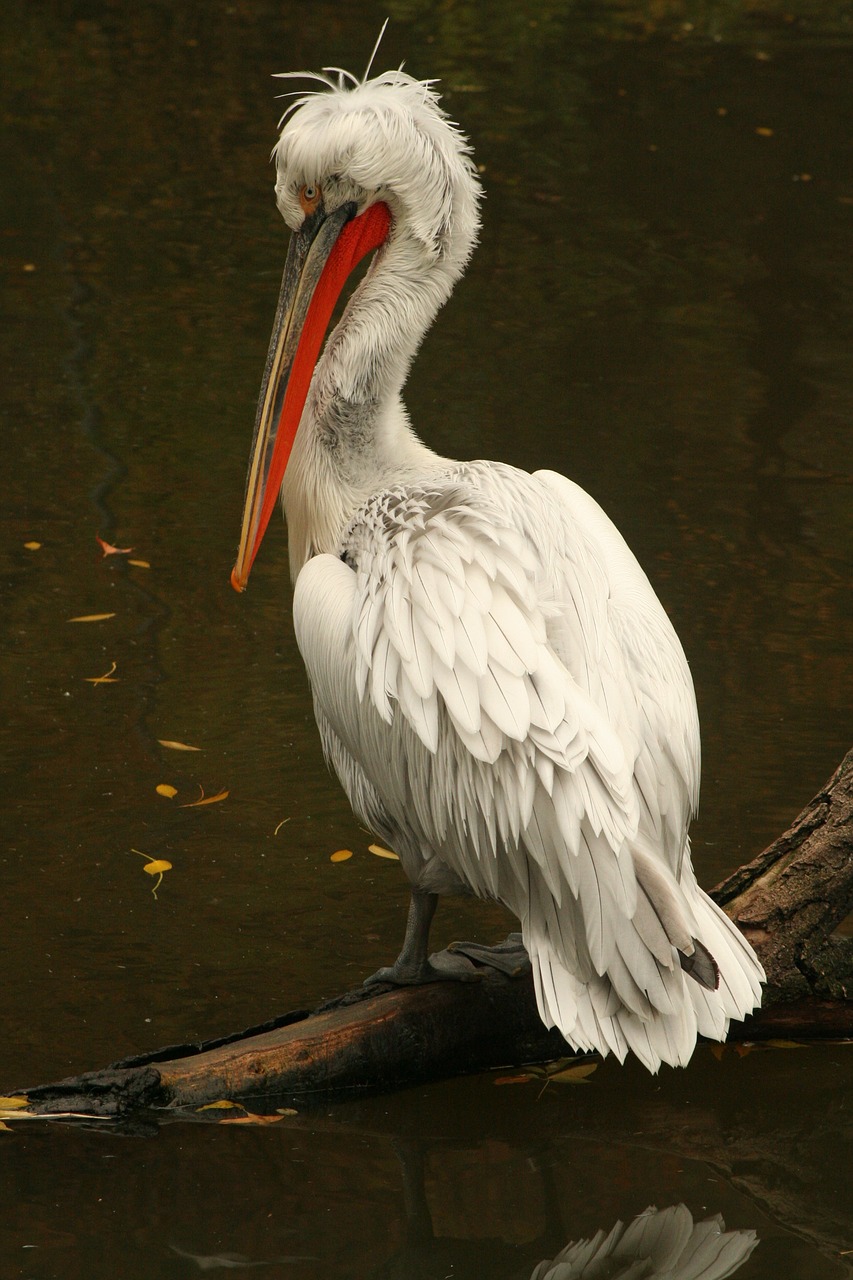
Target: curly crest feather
385,137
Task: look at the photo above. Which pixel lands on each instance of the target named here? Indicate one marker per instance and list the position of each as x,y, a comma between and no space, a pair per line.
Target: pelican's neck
354,437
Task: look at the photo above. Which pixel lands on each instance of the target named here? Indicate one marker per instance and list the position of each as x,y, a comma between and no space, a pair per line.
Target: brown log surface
788,901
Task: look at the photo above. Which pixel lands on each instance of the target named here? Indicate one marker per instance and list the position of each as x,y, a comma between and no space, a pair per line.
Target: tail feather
641,1003
701,966
741,973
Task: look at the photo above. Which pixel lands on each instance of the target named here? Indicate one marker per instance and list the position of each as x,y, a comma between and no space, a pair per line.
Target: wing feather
503,678
506,700
470,636
458,688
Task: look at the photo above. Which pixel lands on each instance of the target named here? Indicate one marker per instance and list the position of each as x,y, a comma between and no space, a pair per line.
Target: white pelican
495,682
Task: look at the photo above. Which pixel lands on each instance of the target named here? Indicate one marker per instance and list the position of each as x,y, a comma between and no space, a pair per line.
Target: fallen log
788,901
791,898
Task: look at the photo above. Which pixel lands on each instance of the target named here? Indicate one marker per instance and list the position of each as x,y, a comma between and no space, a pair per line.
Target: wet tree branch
789,900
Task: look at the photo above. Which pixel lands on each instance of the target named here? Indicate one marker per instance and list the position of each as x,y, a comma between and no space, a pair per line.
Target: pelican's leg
414,965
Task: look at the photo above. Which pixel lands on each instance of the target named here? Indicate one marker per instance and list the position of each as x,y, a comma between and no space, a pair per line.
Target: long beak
322,254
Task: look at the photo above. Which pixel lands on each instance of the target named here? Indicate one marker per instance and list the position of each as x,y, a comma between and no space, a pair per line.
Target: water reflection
658,1243
670,327
470,1179
238,1261
663,1243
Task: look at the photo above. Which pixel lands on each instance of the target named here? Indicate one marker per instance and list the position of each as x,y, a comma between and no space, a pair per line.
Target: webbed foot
460,962
442,966
509,957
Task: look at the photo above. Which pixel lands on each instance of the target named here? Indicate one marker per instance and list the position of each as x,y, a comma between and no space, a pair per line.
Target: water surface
660,308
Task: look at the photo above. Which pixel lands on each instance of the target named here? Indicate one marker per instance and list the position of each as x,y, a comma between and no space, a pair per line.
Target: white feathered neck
384,139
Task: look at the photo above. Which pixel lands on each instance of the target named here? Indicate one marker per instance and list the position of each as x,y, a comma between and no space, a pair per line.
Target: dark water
660,308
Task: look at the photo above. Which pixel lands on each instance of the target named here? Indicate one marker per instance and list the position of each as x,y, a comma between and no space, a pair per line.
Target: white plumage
496,684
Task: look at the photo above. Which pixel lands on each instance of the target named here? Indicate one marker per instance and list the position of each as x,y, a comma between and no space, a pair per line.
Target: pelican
496,685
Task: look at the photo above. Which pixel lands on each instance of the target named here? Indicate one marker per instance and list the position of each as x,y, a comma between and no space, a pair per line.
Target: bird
496,685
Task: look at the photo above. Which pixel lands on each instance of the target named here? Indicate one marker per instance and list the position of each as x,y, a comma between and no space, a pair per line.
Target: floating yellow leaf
157,866
13,1104
92,617
287,1111
222,1105
109,550
383,853
283,822
165,789
176,746
564,1071
203,799
764,132
154,867
32,546
574,1075
251,1118
106,678
341,855
140,564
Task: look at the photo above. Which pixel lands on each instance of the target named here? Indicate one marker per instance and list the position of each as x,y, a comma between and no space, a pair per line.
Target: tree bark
788,901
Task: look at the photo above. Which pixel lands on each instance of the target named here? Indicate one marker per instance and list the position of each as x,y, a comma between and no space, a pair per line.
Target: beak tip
237,582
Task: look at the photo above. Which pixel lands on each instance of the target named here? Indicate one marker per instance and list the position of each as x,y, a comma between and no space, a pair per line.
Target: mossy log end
788,901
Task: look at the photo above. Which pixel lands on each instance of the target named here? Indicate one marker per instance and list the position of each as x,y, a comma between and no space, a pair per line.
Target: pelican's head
360,165
384,140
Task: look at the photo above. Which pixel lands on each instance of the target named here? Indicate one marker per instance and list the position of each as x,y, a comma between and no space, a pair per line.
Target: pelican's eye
309,197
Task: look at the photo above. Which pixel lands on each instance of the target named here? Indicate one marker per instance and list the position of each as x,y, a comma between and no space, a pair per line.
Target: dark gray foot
442,966
509,956
461,962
